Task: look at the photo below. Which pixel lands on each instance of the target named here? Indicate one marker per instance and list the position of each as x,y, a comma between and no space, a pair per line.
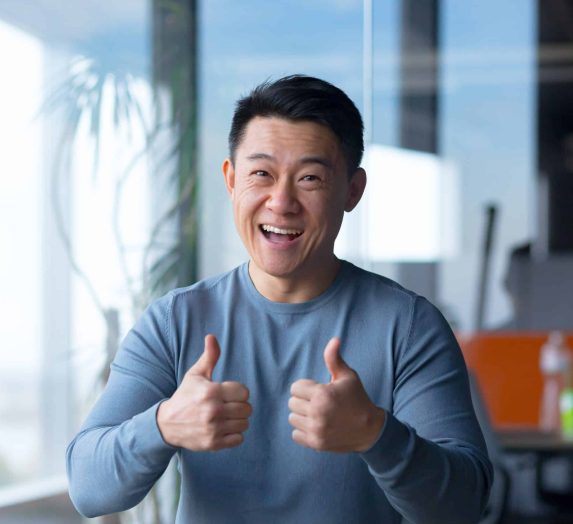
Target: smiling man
290,186
297,387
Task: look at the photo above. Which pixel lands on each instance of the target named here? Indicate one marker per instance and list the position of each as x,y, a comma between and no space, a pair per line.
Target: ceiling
56,22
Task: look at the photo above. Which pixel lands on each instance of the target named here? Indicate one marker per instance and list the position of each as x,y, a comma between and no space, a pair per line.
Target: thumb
334,363
207,361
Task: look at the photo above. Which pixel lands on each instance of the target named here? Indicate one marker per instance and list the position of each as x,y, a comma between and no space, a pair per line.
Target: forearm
112,468
428,482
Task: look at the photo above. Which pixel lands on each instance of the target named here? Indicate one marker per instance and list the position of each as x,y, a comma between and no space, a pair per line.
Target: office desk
533,440
547,448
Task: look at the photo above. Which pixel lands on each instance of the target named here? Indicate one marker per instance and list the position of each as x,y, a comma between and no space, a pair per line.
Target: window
64,200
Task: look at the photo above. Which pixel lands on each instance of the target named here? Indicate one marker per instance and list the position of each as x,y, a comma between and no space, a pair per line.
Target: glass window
20,275
459,77
252,42
75,202
98,138
487,129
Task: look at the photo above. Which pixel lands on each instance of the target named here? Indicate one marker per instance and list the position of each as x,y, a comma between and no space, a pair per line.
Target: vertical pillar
175,72
555,123
419,109
56,403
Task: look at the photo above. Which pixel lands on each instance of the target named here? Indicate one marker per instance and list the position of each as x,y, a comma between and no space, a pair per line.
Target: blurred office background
114,119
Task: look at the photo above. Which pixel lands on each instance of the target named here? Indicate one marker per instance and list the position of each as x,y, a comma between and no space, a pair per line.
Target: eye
311,182
260,173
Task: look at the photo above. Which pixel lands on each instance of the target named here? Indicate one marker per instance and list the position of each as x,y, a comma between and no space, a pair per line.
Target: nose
283,199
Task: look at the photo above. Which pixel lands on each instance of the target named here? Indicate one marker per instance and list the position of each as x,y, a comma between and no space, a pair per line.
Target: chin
277,269
278,272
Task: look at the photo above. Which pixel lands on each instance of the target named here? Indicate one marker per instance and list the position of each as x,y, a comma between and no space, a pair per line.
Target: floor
55,510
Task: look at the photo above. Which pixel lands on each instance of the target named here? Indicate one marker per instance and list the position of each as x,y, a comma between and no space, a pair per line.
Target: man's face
289,187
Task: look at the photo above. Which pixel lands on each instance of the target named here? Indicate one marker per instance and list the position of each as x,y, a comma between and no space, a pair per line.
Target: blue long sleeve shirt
429,464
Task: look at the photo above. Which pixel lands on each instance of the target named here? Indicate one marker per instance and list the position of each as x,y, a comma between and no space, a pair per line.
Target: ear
356,186
229,174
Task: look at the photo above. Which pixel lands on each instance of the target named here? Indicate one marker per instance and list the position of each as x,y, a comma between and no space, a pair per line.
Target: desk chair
556,492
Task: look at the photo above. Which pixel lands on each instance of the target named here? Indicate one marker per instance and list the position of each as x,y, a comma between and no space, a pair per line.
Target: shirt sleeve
119,453
430,458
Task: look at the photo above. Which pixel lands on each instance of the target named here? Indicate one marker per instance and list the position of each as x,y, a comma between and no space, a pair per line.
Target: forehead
279,136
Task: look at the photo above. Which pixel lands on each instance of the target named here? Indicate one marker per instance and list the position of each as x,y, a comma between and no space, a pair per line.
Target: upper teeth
272,229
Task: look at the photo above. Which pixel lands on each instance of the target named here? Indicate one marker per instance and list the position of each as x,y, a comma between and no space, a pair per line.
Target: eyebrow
304,160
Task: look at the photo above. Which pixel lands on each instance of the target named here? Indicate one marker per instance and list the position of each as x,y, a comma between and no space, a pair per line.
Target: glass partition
454,81
253,42
96,215
114,128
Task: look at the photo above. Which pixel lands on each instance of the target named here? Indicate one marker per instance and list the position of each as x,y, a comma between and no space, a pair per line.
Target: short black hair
303,98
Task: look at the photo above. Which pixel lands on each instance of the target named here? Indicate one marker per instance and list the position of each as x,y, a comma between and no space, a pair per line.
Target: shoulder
359,274
181,300
213,286
378,287
382,297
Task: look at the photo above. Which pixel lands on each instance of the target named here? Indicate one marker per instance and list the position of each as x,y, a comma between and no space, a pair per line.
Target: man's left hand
337,416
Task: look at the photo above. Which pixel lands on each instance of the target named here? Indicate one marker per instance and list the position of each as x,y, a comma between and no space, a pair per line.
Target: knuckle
316,409
244,393
318,443
320,427
324,399
293,387
322,393
203,394
211,390
237,441
211,441
209,412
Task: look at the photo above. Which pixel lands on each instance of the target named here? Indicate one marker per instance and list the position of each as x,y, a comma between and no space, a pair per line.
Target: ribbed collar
292,309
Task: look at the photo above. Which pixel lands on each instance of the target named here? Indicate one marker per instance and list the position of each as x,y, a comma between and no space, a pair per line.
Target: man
297,387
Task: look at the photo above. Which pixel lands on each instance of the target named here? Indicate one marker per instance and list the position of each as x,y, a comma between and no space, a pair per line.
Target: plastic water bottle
566,406
555,364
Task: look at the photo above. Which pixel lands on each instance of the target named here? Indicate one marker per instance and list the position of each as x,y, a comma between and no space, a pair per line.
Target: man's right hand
203,415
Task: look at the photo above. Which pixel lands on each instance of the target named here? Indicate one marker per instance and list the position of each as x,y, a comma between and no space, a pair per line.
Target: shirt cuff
148,444
392,449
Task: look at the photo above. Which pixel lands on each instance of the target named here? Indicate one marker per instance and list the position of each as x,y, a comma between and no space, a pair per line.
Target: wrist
162,422
374,424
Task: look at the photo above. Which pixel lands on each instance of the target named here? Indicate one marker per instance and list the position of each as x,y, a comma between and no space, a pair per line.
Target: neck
294,289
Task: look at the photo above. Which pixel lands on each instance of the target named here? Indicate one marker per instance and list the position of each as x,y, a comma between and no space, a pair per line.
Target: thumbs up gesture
337,416
203,415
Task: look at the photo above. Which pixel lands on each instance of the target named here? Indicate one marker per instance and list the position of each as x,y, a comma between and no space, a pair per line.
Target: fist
203,415
337,416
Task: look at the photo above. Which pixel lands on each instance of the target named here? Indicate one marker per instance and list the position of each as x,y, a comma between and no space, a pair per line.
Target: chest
267,353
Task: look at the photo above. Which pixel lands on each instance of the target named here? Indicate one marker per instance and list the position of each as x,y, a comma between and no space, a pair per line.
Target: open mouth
279,234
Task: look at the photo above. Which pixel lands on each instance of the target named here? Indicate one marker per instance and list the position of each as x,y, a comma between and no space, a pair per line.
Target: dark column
419,75
175,71
555,120
419,109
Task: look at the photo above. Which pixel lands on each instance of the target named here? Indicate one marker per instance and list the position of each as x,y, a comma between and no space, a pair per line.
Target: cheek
325,213
332,217
245,204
